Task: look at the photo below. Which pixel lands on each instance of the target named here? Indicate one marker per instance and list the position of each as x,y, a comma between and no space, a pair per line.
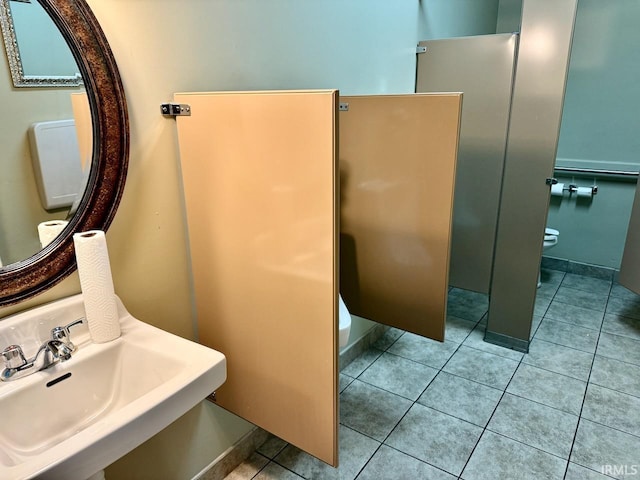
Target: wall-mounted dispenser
56,162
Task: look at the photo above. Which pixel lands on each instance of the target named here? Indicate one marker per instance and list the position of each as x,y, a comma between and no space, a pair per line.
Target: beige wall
147,241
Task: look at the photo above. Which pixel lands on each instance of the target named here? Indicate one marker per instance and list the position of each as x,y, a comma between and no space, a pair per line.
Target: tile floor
412,408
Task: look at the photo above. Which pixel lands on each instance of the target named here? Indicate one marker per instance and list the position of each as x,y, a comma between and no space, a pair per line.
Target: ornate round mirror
110,131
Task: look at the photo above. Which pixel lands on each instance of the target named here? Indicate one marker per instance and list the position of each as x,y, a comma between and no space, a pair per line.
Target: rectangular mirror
37,53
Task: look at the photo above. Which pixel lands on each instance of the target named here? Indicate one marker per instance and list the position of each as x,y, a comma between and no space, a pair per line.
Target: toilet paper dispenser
558,189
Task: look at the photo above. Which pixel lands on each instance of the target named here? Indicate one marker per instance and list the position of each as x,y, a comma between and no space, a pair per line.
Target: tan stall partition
397,167
260,181
84,127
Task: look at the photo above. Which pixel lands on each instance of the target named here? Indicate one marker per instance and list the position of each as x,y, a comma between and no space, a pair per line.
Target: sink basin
75,418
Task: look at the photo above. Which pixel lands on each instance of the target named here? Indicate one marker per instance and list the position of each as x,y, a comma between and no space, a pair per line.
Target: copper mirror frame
78,25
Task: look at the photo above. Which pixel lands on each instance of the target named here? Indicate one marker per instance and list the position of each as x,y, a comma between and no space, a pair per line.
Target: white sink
118,394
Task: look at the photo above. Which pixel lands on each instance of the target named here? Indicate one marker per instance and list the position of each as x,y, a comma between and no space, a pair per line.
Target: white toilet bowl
344,322
550,239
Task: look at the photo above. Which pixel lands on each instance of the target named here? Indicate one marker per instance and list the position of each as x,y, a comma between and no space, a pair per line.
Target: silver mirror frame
15,61
88,44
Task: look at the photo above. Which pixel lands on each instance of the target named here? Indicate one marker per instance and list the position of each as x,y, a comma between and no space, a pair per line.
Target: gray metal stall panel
534,127
482,68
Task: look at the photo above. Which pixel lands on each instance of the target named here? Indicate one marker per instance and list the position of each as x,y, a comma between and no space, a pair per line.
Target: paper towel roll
586,192
94,270
47,231
557,190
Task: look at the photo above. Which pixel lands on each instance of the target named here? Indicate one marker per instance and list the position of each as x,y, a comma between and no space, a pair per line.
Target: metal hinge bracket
343,107
175,110
420,49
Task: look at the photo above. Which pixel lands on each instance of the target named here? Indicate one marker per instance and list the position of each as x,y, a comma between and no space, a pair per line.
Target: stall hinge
343,107
175,110
420,49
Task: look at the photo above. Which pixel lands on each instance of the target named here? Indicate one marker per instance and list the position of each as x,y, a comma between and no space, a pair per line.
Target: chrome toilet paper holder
572,187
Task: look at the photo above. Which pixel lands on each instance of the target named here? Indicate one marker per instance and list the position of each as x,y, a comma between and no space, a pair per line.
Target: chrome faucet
57,349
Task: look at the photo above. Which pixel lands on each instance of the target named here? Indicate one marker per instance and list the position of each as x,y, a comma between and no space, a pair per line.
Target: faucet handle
63,333
74,323
13,357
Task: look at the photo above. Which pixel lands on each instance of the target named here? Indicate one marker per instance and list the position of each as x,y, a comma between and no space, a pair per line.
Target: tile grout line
616,391
414,402
504,392
575,324
380,443
484,429
586,390
568,346
405,413
441,369
381,352
612,428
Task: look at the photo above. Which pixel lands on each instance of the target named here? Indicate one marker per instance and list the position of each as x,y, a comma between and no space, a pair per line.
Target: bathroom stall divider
264,195
260,182
482,67
397,171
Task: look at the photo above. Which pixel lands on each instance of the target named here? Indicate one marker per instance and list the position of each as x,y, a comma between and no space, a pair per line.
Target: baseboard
233,456
241,450
356,348
586,269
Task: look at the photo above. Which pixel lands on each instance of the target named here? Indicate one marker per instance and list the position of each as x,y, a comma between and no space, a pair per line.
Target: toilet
550,239
344,322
